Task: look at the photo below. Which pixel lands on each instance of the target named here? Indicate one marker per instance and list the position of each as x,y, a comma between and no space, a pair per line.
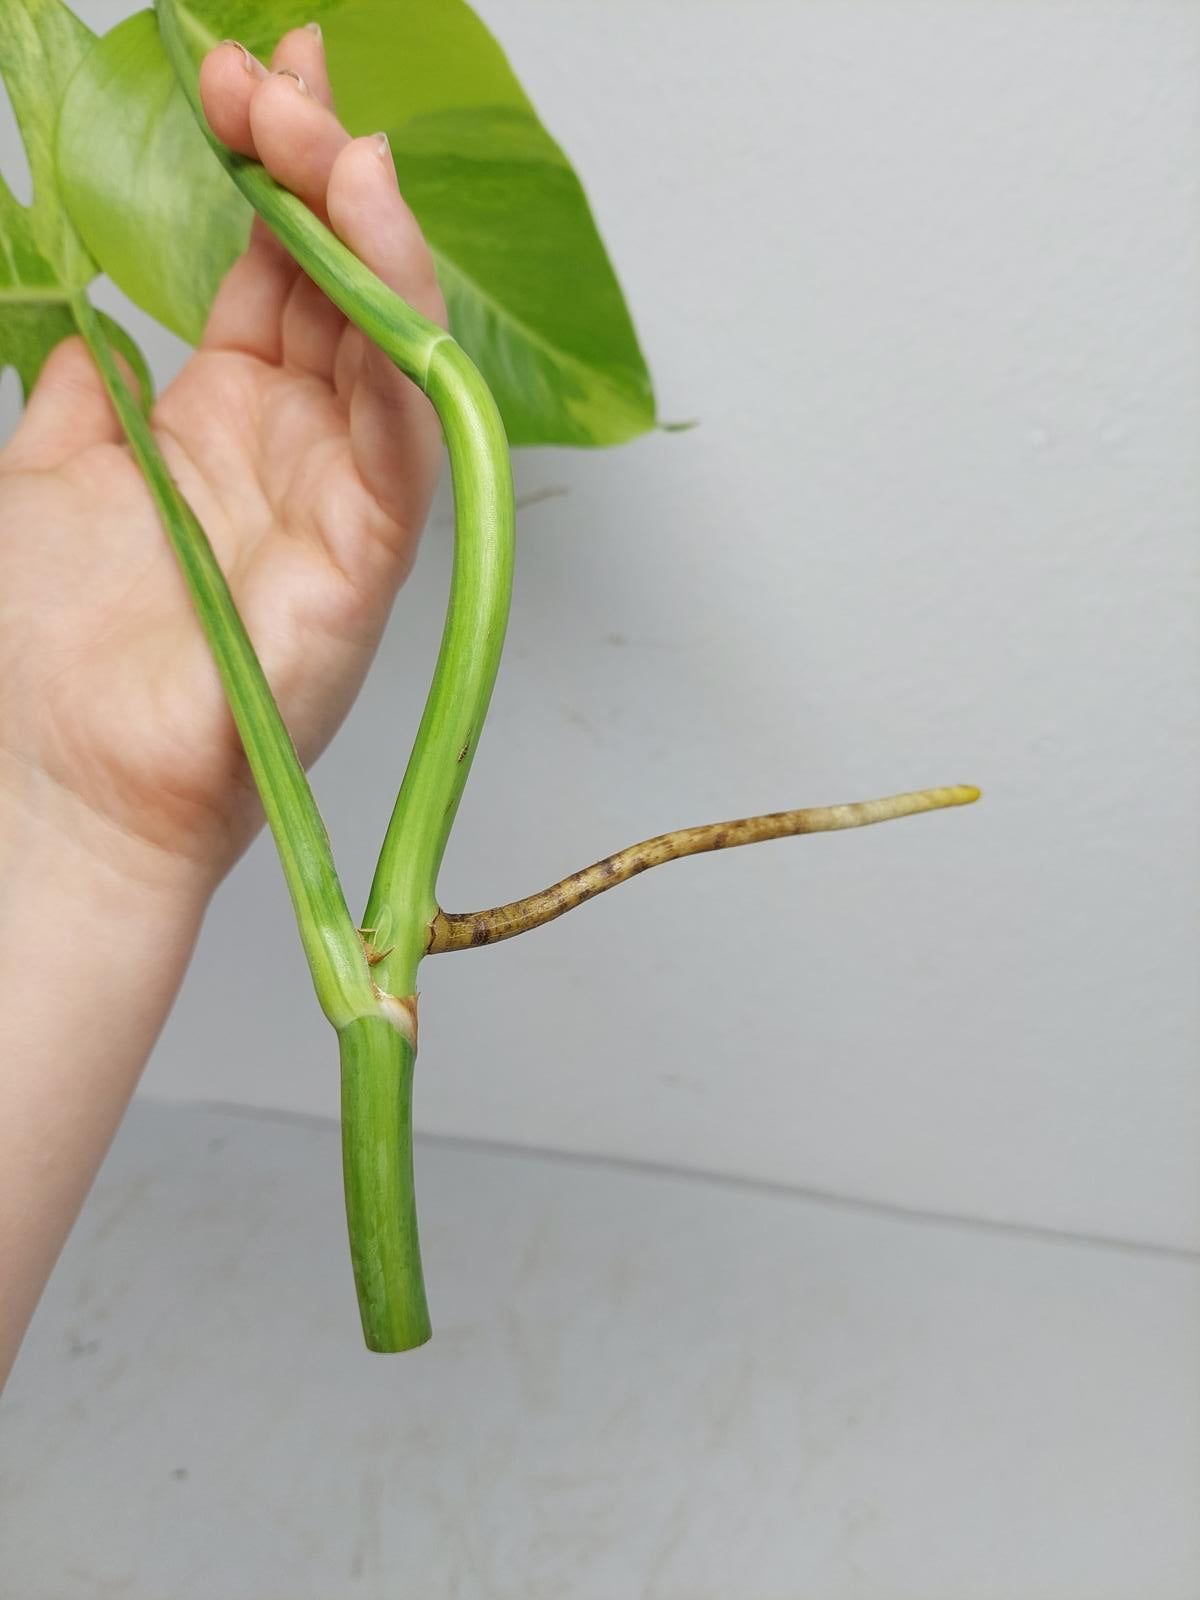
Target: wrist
96,929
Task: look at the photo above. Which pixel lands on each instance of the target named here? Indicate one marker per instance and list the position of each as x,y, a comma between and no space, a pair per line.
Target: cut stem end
377,1163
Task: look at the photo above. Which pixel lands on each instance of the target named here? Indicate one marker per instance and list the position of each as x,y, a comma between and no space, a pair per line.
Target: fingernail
252,65
315,27
383,149
286,72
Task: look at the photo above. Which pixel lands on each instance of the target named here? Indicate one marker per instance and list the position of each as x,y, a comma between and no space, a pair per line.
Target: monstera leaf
531,292
42,260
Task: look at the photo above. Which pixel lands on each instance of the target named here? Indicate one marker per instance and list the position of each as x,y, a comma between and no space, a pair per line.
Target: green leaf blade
531,292
156,211
42,44
43,261
498,201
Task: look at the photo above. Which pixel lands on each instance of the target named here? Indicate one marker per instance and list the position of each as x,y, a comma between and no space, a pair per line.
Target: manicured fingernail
286,72
253,66
383,150
315,27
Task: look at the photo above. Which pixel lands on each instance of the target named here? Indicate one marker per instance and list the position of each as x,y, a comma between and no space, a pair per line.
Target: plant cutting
129,179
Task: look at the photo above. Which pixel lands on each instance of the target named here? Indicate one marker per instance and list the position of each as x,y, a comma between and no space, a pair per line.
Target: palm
310,465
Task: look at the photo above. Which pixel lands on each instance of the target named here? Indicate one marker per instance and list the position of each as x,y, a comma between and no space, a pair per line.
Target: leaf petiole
327,931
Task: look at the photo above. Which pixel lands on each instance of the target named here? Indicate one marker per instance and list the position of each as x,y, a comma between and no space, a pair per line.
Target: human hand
310,462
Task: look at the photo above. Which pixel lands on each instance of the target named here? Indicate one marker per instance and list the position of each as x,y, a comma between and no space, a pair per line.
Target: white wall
925,272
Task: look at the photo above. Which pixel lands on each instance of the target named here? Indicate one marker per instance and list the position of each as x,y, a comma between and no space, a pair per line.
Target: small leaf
41,45
158,213
530,289
43,261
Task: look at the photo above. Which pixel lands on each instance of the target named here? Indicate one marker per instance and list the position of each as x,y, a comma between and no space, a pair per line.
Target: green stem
377,1135
403,899
377,1169
403,896
331,942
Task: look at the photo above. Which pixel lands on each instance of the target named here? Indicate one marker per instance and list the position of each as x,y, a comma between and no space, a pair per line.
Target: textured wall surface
925,273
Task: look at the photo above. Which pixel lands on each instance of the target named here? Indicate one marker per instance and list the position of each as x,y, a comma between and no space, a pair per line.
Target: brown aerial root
469,930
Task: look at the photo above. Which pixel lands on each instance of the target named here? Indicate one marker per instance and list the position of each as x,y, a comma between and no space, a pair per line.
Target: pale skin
124,794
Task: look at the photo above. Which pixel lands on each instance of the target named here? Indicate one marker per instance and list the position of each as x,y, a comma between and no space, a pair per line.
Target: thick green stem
377,1167
403,896
377,1132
